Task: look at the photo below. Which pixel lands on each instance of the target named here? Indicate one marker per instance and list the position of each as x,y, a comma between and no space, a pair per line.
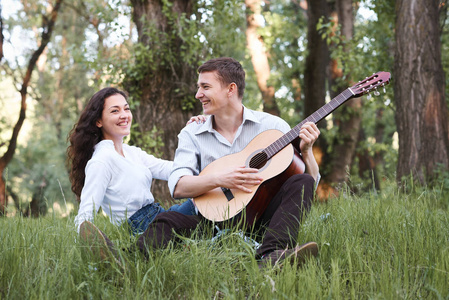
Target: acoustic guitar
276,158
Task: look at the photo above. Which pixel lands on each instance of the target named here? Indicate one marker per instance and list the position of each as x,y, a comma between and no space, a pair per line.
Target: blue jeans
142,218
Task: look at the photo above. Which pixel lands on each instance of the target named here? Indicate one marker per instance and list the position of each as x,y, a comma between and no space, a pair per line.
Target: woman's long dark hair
85,135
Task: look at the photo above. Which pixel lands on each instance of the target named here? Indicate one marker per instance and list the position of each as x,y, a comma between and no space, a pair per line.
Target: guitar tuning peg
376,93
385,90
369,97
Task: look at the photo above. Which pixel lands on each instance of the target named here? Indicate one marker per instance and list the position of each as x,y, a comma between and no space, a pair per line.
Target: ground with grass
389,245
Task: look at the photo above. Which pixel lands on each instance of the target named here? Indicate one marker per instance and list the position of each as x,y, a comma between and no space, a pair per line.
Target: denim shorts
142,218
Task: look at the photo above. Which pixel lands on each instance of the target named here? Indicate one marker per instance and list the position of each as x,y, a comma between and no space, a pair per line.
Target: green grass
385,246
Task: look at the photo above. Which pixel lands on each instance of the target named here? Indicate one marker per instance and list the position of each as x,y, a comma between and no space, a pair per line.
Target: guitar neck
317,116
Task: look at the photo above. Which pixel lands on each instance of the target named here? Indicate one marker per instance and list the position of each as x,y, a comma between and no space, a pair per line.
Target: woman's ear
99,124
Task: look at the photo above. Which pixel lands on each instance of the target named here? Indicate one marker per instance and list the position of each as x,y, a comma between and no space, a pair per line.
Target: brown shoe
297,254
99,243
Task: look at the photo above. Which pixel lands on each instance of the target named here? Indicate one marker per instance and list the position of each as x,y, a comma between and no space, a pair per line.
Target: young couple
117,177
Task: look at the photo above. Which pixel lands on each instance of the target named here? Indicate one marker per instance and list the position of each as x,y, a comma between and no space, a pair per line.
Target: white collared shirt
200,144
119,185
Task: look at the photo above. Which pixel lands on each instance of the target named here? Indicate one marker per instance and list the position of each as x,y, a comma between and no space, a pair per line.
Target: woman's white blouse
119,185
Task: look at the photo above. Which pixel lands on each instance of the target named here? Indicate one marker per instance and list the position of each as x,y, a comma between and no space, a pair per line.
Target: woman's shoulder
103,151
136,153
134,150
131,147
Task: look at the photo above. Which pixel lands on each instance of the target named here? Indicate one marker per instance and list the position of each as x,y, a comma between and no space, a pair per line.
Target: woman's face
116,118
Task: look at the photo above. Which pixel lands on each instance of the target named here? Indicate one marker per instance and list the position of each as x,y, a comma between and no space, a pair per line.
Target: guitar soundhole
258,161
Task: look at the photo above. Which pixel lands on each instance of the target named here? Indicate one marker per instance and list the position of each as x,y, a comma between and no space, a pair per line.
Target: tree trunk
47,30
347,118
37,206
421,111
165,85
315,73
259,56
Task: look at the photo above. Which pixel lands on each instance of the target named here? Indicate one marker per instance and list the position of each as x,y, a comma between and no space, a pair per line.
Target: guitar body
219,205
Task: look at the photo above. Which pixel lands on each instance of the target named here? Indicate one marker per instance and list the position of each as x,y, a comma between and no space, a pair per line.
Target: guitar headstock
371,83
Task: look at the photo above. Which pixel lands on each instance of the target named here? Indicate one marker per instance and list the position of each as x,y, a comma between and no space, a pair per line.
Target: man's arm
185,182
309,134
235,178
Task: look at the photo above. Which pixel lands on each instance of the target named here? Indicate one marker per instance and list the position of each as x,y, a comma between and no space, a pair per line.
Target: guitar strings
317,116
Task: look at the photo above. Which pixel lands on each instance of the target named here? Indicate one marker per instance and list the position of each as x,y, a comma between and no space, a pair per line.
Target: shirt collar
104,143
248,115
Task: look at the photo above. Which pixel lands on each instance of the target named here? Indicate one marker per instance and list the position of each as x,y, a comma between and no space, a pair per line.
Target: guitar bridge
228,193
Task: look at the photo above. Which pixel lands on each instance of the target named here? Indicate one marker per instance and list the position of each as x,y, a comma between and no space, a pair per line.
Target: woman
112,175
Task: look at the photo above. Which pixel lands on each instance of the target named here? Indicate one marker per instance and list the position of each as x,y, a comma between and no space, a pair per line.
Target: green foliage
441,178
375,246
58,88
326,30
368,52
39,171
374,45
213,29
285,36
150,142
222,31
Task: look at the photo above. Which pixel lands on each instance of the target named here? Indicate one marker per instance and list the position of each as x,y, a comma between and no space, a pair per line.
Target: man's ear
232,89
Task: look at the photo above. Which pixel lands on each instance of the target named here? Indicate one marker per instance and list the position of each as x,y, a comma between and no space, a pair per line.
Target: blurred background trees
298,55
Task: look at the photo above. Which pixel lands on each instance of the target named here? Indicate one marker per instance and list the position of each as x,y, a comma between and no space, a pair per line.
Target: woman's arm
92,195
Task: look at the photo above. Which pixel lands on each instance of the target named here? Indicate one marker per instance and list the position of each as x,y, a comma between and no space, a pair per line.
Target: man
229,129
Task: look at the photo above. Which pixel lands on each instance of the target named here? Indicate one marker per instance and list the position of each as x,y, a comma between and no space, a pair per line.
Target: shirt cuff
80,218
174,178
318,178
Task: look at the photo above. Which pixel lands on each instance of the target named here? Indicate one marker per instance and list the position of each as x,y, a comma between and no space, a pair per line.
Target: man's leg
283,215
164,229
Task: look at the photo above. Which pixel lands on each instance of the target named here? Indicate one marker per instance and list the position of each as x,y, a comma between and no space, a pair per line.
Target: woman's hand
198,119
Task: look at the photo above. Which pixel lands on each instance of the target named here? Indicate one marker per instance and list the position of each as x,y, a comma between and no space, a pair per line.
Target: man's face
212,94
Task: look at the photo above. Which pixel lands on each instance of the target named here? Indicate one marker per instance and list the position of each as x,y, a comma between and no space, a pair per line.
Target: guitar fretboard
317,116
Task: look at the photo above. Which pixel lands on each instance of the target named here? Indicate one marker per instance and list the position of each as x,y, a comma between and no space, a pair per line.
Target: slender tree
421,110
317,59
259,55
315,74
348,118
47,27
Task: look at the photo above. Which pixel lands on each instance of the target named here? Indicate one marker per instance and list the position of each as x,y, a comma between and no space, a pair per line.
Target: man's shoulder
269,120
262,114
194,128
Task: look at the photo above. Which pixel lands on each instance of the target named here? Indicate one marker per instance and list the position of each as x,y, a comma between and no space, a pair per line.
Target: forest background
298,55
